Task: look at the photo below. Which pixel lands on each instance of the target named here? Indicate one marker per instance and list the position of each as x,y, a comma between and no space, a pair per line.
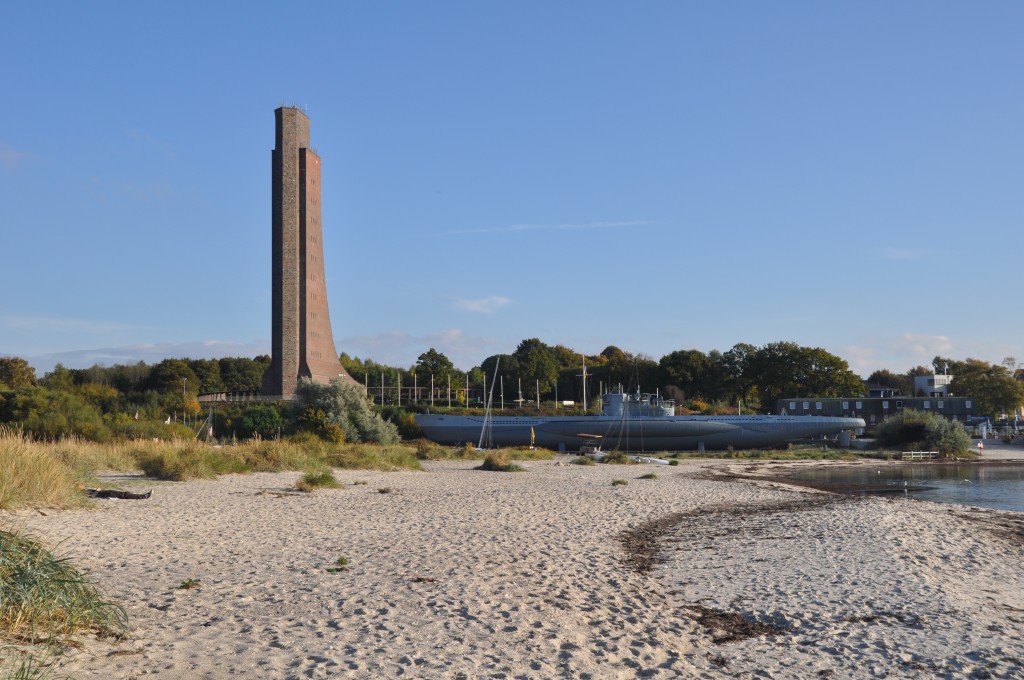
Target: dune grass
43,598
33,475
499,461
428,450
51,474
317,478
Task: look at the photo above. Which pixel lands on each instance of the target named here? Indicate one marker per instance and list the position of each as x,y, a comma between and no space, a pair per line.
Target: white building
935,385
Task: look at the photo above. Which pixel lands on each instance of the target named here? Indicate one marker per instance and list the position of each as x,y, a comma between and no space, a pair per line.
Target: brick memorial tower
302,343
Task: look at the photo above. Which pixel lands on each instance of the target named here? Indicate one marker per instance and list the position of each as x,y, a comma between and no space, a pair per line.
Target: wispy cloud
900,352
51,324
552,227
487,305
11,158
151,353
402,349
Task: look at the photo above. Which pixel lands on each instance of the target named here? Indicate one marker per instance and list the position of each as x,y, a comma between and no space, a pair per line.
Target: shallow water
986,485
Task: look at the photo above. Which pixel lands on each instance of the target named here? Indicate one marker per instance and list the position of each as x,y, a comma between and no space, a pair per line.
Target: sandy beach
711,570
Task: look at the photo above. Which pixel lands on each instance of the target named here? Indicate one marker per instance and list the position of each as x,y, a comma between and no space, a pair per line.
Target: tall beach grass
43,598
34,474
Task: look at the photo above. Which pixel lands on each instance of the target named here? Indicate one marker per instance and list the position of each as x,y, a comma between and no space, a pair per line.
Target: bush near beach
911,430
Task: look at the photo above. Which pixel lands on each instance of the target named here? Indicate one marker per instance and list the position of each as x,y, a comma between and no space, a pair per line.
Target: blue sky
657,176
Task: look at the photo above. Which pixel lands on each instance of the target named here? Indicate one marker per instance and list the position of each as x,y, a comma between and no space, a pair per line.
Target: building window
846,405
807,405
885,404
872,418
940,403
792,406
967,403
927,404
899,404
860,405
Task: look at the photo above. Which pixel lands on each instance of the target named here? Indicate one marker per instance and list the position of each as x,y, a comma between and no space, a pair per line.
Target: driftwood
115,493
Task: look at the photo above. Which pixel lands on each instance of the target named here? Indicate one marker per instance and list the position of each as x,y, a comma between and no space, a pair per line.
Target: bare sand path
456,573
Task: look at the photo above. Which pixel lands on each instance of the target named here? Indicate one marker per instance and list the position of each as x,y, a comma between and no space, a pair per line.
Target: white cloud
487,305
11,158
904,351
552,227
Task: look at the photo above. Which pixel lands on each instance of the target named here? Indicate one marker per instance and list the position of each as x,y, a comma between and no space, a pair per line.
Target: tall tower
302,345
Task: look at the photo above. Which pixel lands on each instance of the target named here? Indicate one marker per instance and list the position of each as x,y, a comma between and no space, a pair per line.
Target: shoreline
461,573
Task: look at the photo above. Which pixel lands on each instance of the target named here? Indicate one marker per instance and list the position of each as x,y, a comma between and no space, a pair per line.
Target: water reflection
988,485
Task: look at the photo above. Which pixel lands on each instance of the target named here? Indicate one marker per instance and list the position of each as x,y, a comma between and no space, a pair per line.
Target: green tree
434,363
507,368
241,374
60,378
208,374
993,388
129,378
896,381
785,369
167,376
689,370
263,420
52,414
15,372
537,366
735,374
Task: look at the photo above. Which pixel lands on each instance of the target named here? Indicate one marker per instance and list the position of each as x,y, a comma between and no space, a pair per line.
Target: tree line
136,400
718,381
122,401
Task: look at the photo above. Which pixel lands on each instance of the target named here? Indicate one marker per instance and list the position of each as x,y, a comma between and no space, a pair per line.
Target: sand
552,572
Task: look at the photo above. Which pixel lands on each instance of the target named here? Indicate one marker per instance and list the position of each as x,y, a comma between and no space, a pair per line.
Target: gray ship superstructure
634,422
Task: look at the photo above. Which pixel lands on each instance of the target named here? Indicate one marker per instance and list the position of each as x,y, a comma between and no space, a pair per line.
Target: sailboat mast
487,410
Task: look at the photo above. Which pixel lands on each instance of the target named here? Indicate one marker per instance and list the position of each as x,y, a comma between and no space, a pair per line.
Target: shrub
583,460
649,475
616,458
428,450
922,430
498,461
344,405
619,482
405,421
